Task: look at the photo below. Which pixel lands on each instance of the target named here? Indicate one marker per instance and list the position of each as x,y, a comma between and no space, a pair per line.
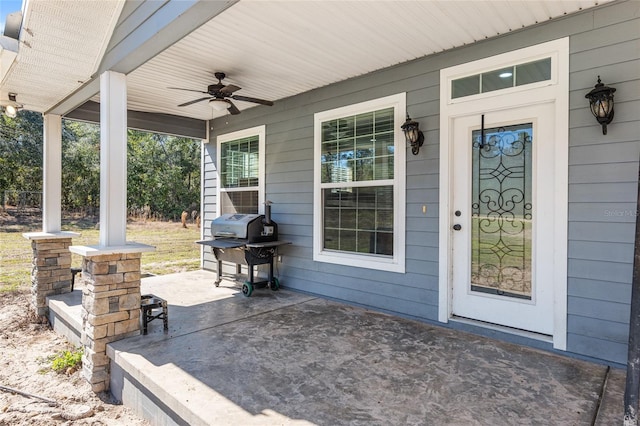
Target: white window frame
259,131
395,263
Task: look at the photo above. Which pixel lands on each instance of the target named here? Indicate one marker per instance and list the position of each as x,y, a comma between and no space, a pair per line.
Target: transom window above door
502,78
359,185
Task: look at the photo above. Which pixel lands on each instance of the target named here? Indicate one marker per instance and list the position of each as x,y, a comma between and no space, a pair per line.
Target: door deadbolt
458,213
457,227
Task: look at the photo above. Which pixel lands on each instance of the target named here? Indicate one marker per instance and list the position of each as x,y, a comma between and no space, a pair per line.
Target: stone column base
51,271
110,310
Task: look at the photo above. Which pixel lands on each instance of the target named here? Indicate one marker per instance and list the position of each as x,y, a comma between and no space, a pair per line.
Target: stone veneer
110,310
51,272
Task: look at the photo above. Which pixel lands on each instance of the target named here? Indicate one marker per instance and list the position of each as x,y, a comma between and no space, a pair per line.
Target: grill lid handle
225,234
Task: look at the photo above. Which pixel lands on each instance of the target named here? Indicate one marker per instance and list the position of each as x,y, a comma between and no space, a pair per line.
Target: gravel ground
26,349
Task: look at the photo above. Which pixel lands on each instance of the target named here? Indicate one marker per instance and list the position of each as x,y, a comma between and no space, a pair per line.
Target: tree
163,171
80,166
20,153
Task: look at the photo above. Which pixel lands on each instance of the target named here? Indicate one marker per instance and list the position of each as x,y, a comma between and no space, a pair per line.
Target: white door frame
555,90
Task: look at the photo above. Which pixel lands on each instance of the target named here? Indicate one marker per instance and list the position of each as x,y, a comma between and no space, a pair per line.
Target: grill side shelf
223,243
267,244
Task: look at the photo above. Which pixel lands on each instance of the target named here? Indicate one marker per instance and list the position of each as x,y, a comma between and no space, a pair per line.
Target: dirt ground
25,350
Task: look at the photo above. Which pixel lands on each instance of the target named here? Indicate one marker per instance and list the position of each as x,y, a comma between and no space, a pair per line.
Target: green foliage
80,165
163,171
20,152
66,359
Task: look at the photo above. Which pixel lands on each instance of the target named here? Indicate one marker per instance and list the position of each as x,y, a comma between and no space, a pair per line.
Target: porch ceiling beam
169,24
148,121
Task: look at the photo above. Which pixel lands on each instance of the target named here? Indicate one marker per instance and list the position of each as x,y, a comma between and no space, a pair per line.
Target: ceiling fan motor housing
221,95
214,88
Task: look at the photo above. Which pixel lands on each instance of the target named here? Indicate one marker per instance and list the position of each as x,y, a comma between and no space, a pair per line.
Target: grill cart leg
250,270
274,284
247,287
219,274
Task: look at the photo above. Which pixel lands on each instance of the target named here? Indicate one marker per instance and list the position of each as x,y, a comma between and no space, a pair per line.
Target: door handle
457,227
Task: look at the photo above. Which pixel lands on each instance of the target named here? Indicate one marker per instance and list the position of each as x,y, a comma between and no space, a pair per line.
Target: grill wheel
247,288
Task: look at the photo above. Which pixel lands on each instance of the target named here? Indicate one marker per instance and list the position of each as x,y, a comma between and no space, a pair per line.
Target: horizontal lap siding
602,173
289,185
209,200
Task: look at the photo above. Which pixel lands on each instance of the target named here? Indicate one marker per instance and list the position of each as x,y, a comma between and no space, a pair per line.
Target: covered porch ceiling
271,49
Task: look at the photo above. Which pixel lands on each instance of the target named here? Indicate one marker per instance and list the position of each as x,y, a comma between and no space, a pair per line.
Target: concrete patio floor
285,358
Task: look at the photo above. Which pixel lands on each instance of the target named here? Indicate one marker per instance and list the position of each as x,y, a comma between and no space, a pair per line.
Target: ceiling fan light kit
220,95
218,104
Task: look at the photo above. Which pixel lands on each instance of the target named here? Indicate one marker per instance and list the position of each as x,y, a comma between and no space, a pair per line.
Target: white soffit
272,49
276,49
61,45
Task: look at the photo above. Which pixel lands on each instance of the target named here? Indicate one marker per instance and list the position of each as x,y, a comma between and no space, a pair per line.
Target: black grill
246,239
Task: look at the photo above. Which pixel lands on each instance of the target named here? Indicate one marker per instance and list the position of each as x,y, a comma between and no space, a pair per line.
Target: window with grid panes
357,185
239,166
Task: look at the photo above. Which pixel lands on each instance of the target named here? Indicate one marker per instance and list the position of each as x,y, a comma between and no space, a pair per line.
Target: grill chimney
267,212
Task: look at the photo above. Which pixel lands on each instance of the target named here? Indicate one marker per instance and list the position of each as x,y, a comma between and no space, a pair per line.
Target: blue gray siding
603,173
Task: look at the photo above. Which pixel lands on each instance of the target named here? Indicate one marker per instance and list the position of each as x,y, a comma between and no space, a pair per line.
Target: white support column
52,174
113,159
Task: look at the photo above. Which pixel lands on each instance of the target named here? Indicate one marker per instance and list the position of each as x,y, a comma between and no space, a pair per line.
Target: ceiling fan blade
195,101
254,100
188,90
229,88
233,110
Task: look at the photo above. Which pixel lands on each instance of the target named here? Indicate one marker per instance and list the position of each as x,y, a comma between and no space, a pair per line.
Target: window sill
361,261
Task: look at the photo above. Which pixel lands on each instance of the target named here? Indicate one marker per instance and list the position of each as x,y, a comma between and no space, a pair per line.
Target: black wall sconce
601,103
413,134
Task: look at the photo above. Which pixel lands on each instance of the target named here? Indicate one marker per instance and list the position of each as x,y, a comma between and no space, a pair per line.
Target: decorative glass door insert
503,221
501,211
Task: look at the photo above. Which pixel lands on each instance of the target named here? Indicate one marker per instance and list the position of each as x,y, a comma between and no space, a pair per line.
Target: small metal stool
149,302
74,272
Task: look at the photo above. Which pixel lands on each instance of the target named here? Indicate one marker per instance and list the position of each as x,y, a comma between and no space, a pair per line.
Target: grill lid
232,225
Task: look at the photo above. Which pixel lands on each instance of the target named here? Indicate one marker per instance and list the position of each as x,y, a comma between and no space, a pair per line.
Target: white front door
502,207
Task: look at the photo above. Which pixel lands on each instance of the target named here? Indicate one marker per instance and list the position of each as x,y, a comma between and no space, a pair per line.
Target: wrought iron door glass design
501,220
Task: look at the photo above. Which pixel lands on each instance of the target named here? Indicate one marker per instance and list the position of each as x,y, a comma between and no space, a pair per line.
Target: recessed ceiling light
506,74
